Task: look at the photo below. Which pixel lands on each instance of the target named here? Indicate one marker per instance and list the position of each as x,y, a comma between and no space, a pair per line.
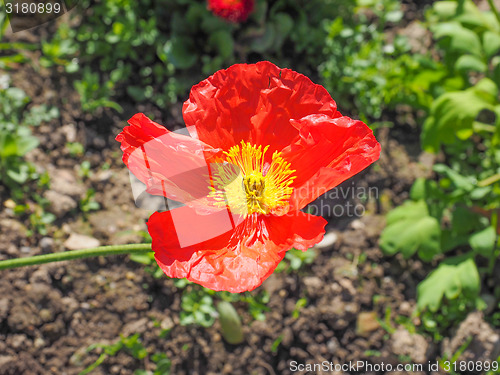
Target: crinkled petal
235,260
254,103
326,153
170,164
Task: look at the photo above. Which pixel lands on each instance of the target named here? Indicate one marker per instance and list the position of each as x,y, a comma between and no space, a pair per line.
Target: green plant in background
133,346
197,308
362,67
16,139
88,202
454,217
11,54
155,51
36,212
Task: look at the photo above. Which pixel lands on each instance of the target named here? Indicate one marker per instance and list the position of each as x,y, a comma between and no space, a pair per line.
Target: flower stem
494,9
75,254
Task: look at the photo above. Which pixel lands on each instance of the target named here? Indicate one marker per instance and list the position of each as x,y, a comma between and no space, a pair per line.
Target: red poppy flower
232,10
264,143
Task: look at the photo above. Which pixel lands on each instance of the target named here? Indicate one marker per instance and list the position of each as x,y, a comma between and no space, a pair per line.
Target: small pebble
25,249
46,244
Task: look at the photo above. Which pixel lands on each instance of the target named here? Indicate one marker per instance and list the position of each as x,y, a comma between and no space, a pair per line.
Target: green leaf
460,182
136,93
423,188
18,173
223,41
26,144
461,40
8,145
466,63
180,52
450,119
453,277
18,96
394,16
283,24
483,242
445,9
407,210
264,42
463,220
491,43
410,229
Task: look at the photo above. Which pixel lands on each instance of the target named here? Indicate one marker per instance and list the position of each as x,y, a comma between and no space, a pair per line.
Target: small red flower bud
232,10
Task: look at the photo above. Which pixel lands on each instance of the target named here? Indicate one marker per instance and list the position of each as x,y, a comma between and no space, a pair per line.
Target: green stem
494,10
496,249
75,254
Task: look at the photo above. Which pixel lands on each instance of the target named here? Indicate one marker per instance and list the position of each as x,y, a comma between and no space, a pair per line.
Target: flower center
248,184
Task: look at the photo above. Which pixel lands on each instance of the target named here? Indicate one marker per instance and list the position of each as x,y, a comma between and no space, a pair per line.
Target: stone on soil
80,241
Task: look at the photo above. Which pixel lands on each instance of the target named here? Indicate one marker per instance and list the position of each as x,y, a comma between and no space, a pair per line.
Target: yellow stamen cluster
247,184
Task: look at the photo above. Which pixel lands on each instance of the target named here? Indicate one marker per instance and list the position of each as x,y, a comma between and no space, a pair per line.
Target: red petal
254,103
232,10
170,164
328,152
237,260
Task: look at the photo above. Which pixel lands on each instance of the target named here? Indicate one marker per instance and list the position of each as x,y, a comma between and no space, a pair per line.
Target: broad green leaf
463,220
409,230
180,52
18,173
453,277
445,9
424,189
8,145
453,114
475,19
463,223
406,211
283,25
462,40
335,28
451,239
486,89
18,96
451,9
222,40
263,42
195,14
137,93
483,242
491,43
459,182
212,24
283,22
26,144
467,63
394,16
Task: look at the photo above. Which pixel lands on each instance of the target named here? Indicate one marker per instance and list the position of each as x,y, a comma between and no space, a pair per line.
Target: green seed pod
230,323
